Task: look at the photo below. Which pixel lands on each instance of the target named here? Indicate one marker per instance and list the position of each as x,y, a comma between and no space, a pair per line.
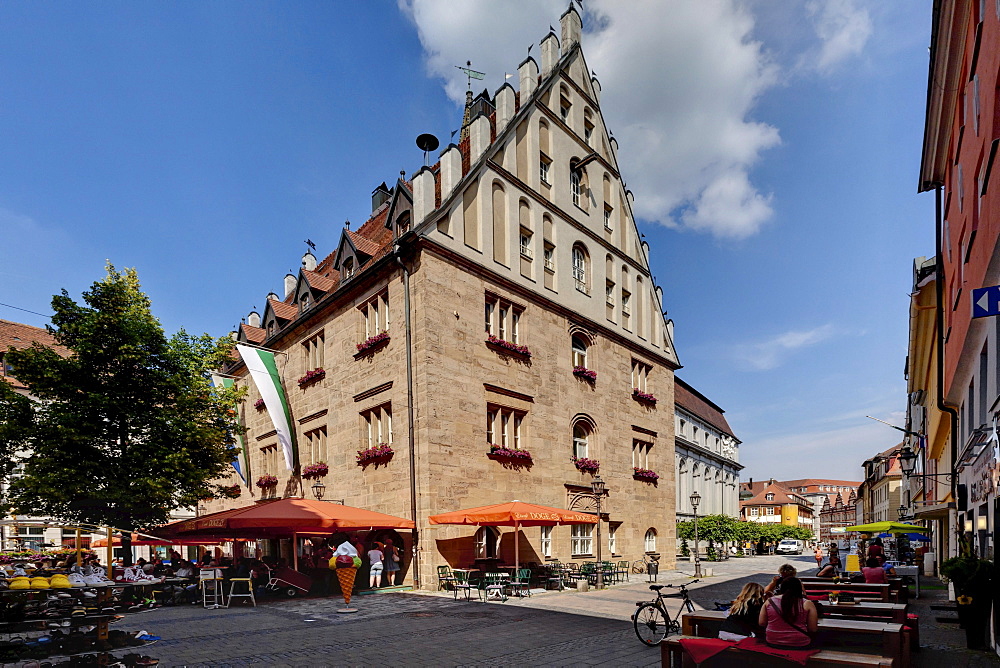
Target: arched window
581,266
588,125
579,351
581,440
576,185
649,541
486,543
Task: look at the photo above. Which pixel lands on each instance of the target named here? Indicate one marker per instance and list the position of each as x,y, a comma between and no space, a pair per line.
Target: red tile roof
319,281
20,336
781,496
254,334
363,244
283,310
700,406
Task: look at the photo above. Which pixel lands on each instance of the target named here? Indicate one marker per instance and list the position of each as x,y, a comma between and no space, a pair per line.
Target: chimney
550,53
528,76
271,295
571,25
451,170
505,106
309,261
253,319
380,196
290,282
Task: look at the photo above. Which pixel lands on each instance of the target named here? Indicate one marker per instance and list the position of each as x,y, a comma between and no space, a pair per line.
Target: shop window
546,541
582,539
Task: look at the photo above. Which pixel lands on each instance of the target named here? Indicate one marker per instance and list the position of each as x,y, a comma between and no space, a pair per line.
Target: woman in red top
789,620
875,549
874,574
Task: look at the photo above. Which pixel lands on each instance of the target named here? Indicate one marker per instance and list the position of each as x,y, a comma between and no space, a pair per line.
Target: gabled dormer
400,215
277,314
352,253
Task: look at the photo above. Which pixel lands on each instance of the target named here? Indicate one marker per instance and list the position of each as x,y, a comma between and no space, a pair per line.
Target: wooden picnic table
858,589
895,612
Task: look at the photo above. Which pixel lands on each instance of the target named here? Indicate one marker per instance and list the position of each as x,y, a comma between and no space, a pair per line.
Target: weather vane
471,73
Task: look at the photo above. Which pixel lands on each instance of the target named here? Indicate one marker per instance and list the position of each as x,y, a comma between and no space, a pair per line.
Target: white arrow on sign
984,301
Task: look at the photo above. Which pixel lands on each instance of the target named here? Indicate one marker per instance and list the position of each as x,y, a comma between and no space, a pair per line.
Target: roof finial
347,224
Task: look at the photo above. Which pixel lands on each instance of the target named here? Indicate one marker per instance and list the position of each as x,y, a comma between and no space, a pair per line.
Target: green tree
125,428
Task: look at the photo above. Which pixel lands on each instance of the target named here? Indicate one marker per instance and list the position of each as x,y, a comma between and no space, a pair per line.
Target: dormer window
305,302
348,268
769,497
270,328
402,223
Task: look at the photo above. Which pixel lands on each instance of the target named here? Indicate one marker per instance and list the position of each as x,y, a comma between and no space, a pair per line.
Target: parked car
790,546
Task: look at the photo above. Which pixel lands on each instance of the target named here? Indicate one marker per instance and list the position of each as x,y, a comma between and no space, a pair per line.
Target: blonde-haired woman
744,613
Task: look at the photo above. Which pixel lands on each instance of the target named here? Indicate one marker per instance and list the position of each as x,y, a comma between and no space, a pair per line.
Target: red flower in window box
586,465
259,404
644,474
644,397
508,453
372,342
267,481
312,377
230,492
317,470
584,373
508,346
374,454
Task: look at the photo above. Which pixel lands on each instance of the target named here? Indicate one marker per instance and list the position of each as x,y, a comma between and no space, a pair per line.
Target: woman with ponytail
789,620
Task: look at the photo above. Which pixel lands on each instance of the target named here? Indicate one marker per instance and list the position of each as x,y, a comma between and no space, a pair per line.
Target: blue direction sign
986,301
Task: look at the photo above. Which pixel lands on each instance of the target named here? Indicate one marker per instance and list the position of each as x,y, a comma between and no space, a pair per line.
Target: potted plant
500,452
583,373
586,465
317,470
972,578
372,342
259,404
645,475
643,397
312,377
508,346
267,481
376,454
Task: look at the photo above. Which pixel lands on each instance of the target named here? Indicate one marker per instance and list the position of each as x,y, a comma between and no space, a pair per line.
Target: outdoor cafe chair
521,583
622,570
445,577
241,583
495,583
556,573
461,583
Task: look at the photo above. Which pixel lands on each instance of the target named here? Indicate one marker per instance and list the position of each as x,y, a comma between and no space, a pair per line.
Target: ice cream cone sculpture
346,578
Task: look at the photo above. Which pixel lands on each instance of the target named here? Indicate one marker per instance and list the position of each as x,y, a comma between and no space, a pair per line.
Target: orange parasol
515,514
139,541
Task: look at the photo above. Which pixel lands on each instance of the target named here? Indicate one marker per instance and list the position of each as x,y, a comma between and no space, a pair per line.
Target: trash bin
653,569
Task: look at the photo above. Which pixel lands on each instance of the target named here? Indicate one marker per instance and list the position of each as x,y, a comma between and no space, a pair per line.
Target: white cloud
679,80
843,29
769,354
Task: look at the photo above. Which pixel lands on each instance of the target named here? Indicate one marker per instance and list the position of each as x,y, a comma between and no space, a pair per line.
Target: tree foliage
125,428
723,528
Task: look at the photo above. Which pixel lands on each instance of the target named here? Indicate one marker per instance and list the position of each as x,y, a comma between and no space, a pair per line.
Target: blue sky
772,147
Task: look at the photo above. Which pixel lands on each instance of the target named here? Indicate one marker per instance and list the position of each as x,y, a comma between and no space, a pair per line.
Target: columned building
707,455
493,331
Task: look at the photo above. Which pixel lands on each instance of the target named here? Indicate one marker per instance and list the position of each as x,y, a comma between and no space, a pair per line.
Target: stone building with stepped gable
494,320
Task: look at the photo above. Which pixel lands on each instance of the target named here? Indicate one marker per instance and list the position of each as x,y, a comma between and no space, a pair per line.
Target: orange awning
137,541
514,513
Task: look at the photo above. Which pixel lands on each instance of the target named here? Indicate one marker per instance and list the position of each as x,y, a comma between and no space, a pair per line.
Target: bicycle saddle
656,587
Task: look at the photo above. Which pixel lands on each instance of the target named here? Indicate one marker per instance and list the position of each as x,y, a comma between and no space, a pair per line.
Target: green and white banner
242,461
263,370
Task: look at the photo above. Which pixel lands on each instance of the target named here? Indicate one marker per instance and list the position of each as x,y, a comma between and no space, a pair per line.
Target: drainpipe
409,416
939,290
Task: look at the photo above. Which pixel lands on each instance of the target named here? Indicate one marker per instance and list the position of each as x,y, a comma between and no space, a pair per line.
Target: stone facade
487,242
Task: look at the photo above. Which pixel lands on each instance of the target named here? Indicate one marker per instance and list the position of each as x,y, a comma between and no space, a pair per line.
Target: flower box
500,452
372,342
259,404
645,474
507,346
375,454
586,465
584,373
230,492
267,481
312,377
644,397
317,470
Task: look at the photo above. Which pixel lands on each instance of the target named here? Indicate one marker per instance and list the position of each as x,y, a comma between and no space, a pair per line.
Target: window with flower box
505,427
503,319
375,314
581,440
377,425
315,446
582,540
313,350
546,541
640,453
269,458
640,375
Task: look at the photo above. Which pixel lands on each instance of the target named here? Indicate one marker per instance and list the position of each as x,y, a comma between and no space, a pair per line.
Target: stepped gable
699,405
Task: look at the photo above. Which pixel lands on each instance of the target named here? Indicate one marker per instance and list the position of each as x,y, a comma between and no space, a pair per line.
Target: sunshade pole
295,551
78,547
110,552
517,546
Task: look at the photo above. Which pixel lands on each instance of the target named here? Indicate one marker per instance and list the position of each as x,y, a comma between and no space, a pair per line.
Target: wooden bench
885,638
860,590
865,610
672,655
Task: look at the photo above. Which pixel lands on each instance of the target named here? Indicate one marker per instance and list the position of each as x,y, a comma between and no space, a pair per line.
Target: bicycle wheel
651,624
639,566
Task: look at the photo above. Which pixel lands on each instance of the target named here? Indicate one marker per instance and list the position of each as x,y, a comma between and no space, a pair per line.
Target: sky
772,147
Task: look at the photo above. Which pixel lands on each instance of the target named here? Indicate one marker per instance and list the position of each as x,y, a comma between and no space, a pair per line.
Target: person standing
818,555
391,561
375,557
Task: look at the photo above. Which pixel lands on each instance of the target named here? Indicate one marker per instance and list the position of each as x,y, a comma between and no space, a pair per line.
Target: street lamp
907,461
902,512
318,489
597,487
695,500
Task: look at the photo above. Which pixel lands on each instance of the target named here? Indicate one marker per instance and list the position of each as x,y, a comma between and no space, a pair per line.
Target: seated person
789,620
828,571
887,567
774,587
874,574
744,614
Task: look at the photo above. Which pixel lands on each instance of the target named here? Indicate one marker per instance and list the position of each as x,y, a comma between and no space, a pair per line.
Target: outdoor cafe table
706,623
894,612
869,591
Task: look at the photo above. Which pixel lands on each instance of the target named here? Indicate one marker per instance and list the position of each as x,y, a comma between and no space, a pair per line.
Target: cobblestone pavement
410,629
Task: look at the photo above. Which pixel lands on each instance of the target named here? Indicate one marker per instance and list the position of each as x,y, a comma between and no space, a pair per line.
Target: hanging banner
263,370
241,462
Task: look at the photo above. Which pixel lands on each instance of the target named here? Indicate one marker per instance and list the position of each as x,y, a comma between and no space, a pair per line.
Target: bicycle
639,565
652,621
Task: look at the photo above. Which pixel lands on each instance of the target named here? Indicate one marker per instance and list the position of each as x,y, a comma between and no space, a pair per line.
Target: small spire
466,117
